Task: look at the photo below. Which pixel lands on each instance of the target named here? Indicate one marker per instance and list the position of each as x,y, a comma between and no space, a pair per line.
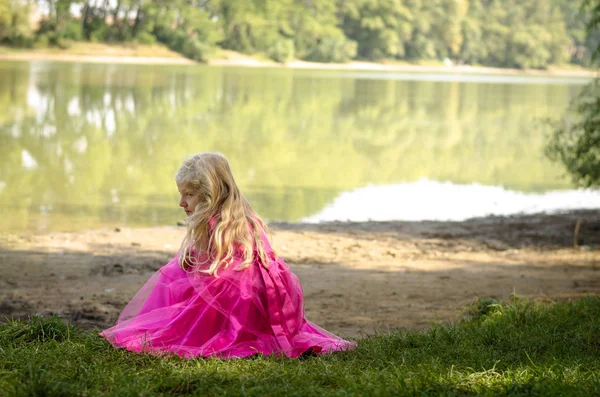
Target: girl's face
189,199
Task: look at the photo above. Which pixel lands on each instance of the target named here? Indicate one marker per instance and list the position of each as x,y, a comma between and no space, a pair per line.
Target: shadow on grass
519,348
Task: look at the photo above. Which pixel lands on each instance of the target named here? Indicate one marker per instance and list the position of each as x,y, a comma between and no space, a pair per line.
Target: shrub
72,31
178,41
196,50
98,31
332,49
575,140
42,41
170,37
63,43
21,40
281,51
145,38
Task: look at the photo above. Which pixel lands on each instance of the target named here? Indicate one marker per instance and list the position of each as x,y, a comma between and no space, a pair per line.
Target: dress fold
240,313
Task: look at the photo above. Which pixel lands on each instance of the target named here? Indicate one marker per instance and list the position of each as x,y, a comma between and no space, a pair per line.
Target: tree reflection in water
85,145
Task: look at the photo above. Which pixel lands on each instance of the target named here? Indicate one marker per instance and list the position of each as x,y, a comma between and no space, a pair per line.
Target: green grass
519,348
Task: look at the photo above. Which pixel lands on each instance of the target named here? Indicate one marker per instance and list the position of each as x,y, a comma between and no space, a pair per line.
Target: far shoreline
232,59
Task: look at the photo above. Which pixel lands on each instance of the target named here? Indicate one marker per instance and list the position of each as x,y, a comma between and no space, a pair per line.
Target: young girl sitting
226,294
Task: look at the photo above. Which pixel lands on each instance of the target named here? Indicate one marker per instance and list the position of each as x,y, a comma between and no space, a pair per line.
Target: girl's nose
181,203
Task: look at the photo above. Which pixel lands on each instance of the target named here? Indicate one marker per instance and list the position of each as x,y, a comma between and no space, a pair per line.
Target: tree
14,22
380,27
575,140
501,33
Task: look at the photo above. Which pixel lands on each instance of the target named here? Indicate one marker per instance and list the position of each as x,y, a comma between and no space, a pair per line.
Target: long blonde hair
223,218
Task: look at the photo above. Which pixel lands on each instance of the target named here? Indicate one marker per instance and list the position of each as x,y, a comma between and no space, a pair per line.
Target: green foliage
575,140
42,40
181,26
332,49
49,34
196,50
379,27
512,33
526,51
95,28
37,329
515,349
593,23
181,42
72,31
282,51
471,51
145,38
486,307
14,23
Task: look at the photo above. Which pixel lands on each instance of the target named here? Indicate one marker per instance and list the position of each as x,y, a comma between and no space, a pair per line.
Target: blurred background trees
502,33
575,140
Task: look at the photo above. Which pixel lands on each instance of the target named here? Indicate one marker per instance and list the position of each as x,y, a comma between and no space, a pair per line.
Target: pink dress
238,314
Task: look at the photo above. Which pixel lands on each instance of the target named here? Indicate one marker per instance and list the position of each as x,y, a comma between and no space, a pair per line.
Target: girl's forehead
184,187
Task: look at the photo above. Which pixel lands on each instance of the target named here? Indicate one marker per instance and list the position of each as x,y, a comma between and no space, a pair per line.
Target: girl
226,293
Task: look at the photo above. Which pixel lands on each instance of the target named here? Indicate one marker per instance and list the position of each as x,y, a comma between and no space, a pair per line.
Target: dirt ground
358,278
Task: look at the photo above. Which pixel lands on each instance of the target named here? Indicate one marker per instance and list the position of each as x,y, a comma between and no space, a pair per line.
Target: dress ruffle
241,313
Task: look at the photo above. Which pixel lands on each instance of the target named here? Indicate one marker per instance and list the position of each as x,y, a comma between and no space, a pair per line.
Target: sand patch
358,278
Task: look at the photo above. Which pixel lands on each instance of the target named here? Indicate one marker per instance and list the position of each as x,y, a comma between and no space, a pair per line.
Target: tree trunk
138,20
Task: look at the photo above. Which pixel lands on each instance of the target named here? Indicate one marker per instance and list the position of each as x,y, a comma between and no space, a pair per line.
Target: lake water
90,145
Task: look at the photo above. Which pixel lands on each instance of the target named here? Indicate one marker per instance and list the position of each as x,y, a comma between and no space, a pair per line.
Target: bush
63,43
196,50
171,38
21,40
575,140
281,51
178,41
145,38
72,31
98,31
42,41
332,49
527,51
48,34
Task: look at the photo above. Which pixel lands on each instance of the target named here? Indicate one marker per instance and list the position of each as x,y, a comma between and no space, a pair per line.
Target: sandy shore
143,60
358,278
100,53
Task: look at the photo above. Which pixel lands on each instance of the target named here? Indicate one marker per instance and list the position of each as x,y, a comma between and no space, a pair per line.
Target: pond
97,145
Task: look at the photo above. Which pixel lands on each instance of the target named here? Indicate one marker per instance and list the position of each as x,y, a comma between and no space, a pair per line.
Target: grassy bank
519,348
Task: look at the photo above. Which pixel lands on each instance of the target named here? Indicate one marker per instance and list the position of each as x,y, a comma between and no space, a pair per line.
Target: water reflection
452,75
84,145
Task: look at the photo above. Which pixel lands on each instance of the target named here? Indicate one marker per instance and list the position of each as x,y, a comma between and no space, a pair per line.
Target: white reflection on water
451,76
73,108
27,160
80,145
430,200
